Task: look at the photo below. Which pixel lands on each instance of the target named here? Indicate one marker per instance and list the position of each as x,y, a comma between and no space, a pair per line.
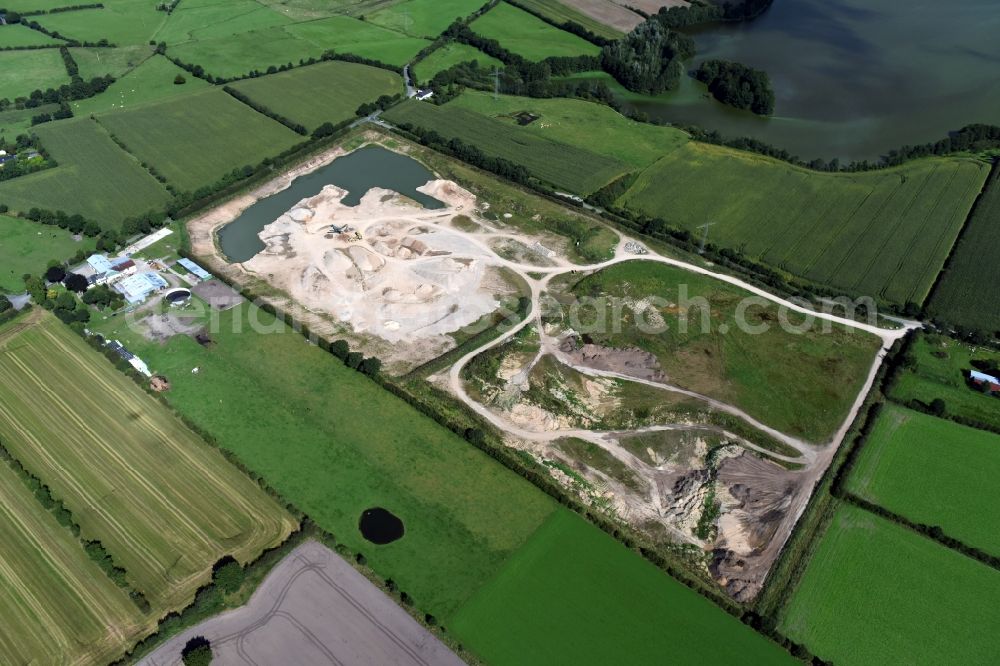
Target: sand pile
386,267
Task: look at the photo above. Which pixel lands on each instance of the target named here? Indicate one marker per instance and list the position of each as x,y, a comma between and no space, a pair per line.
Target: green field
22,72
575,169
101,61
95,177
571,596
561,12
883,234
165,505
237,55
802,384
325,92
586,125
423,18
21,35
934,472
962,297
449,55
18,121
27,247
940,365
529,36
878,593
121,22
197,139
206,21
297,416
150,81
59,607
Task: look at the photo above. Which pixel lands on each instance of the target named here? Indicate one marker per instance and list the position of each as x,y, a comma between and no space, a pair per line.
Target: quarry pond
852,78
358,172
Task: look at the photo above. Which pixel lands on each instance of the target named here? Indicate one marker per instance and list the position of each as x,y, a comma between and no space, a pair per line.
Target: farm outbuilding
137,288
983,379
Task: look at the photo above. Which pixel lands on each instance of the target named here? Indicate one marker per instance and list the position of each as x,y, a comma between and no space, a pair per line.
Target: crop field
576,122
572,596
883,234
529,36
305,422
95,177
939,372
59,607
801,383
449,55
565,166
423,18
878,593
165,505
121,22
197,139
151,81
962,297
325,92
602,17
21,35
99,61
27,247
21,72
934,472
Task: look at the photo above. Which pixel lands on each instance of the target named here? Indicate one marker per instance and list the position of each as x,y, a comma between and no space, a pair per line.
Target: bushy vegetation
650,59
738,85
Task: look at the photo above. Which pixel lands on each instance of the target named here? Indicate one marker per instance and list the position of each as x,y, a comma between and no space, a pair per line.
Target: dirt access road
313,608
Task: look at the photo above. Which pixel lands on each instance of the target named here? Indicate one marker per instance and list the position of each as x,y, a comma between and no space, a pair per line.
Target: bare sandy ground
608,12
313,608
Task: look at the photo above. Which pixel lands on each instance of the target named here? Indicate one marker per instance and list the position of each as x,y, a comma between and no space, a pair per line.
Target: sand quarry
387,267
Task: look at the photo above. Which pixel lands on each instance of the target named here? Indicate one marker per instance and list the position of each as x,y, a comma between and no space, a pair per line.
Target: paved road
313,608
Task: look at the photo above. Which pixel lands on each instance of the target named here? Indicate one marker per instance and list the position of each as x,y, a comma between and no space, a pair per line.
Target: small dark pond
365,168
380,526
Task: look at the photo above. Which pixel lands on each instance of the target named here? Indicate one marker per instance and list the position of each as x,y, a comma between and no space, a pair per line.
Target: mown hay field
717,340
966,294
884,234
95,177
574,169
586,125
195,140
570,596
423,18
939,370
212,20
21,72
325,92
165,505
449,55
934,472
529,36
59,607
27,247
878,593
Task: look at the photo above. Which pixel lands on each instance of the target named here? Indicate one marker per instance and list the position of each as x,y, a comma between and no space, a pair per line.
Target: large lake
358,172
853,78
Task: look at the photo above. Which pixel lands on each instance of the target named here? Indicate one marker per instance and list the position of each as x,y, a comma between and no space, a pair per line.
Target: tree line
94,548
